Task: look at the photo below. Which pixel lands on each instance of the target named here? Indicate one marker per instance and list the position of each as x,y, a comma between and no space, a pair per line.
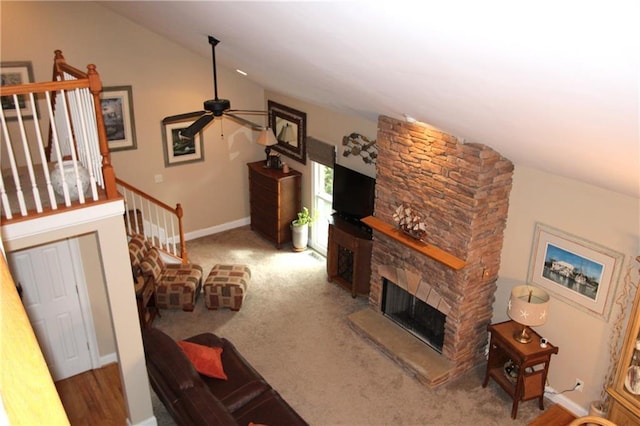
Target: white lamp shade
528,305
267,138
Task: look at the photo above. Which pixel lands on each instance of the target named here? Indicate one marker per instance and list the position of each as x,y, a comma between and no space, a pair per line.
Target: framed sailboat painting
577,271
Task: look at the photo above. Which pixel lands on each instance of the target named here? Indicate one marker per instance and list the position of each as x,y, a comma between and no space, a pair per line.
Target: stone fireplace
462,190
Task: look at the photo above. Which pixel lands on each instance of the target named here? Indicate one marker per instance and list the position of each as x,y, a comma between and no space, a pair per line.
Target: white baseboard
108,359
151,421
216,229
576,409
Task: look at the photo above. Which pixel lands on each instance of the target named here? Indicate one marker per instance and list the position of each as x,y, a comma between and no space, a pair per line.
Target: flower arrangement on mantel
409,221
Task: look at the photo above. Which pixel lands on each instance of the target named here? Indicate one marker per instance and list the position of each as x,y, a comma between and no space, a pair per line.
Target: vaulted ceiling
552,85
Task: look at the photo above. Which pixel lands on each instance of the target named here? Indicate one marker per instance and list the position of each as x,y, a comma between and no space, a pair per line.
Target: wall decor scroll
357,144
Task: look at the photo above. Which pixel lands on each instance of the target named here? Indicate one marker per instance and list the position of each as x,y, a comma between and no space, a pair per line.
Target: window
322,187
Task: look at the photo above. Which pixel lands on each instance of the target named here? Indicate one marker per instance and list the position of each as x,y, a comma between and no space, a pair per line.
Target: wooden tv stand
349,256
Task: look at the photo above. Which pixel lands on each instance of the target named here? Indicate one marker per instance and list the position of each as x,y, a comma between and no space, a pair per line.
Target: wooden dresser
275,200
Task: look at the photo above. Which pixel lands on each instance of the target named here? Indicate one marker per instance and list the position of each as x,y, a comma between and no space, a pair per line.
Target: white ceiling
552,85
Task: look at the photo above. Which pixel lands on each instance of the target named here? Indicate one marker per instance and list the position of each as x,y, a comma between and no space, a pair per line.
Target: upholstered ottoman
226,286
179,286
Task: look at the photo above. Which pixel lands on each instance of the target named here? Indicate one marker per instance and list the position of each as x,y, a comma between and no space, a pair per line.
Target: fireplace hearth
417,317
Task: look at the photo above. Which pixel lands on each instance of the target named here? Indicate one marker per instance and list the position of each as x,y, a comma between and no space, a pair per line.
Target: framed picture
290,127
16,73
179,150
579,272
117,110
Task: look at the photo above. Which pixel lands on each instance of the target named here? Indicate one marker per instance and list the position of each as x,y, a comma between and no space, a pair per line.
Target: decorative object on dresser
528,306
528,363
290,127
275,199
624,404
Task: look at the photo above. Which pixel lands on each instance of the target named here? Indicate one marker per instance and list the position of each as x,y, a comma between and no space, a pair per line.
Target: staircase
160,223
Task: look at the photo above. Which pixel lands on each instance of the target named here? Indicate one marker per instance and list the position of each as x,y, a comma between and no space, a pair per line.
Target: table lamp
267,139
528,306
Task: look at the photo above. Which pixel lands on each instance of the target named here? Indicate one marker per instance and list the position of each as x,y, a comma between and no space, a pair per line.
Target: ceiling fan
217,107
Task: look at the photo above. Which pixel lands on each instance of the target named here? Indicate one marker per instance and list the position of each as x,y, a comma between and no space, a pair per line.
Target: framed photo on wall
179,150
579,272
117,110
16,73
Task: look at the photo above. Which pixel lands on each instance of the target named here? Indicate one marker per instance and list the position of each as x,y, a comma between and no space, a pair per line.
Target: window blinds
321,152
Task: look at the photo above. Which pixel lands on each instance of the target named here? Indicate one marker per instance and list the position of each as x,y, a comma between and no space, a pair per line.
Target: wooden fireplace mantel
429,250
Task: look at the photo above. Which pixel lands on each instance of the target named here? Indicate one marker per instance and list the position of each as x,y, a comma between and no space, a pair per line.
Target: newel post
183,246
95,86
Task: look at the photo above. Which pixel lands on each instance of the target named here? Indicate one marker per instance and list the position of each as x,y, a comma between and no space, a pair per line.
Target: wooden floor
556,415
94,397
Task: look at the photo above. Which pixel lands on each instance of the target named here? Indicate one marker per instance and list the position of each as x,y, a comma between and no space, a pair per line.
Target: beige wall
166,80
597,215
127,54
105,222
330,127
97,290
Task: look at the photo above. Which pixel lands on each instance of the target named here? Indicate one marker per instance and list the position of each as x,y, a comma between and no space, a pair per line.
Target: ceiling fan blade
247,111
189,115
196,126
244,121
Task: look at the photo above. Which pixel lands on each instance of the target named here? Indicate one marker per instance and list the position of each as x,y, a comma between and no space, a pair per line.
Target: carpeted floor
293,329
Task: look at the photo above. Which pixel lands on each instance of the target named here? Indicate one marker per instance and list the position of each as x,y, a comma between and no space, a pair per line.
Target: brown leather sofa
194,399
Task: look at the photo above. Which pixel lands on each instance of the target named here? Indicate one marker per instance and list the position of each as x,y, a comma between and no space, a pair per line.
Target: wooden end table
145,297
532,361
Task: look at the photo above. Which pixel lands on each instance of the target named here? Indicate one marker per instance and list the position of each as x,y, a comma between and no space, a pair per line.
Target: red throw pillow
205,359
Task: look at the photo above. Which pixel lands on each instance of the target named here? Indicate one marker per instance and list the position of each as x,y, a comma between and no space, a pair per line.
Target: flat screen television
353,193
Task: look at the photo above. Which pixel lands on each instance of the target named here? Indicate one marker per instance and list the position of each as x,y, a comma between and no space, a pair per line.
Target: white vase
299,236
69,175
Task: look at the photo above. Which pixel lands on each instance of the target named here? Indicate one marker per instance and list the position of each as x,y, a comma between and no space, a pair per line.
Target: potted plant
300,230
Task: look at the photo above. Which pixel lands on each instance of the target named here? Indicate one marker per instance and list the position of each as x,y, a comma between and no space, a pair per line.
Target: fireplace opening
419,318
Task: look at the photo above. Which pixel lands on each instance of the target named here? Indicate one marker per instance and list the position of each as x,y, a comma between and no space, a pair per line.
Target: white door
50,296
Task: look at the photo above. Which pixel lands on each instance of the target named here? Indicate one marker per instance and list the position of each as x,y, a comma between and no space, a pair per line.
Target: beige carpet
293,328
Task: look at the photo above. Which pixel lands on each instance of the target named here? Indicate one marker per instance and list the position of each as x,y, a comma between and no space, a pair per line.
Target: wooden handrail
177,211
146,196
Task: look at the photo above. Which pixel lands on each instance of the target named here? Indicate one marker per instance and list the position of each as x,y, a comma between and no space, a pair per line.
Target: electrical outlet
579,385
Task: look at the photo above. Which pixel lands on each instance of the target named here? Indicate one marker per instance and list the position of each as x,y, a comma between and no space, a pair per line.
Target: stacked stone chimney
462,190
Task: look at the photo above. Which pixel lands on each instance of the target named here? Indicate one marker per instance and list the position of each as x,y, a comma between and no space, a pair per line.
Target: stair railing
160,223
